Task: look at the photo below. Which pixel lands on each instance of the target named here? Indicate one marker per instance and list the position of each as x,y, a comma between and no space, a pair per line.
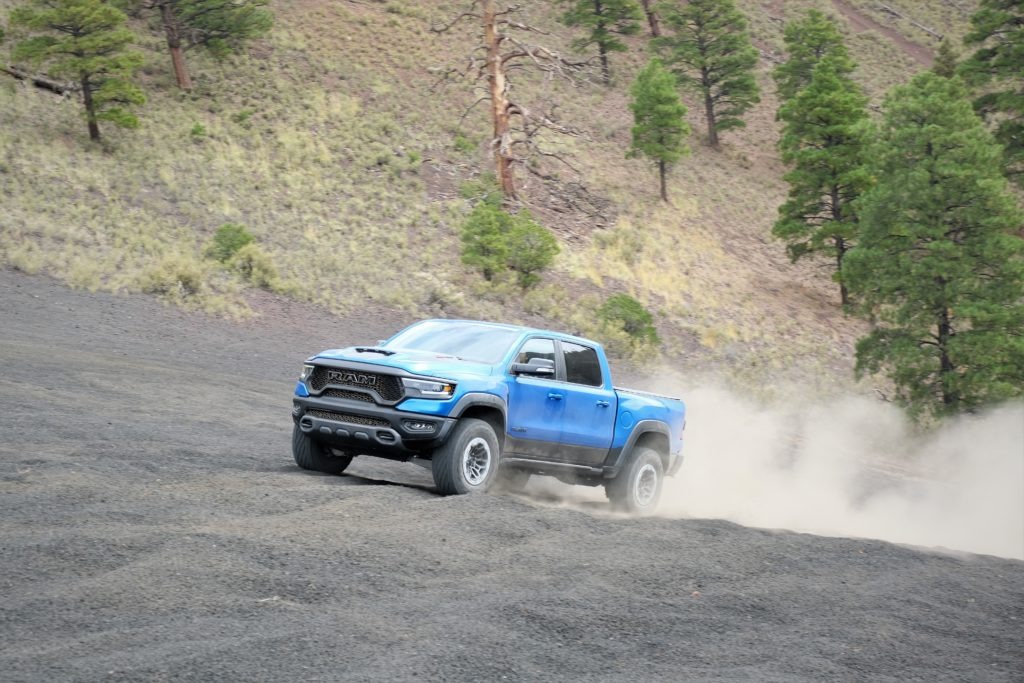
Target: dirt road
154,527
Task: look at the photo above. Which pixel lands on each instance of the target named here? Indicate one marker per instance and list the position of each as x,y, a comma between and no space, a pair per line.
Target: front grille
344,417
388,387
350,395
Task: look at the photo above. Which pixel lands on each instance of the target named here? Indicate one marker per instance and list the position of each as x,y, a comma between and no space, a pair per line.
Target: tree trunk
602,49
90,109
841,249
950,397
709,112
174,45
661,172
652,18
841,246
499,103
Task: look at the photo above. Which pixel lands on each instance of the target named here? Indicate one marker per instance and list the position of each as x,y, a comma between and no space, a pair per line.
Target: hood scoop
373,349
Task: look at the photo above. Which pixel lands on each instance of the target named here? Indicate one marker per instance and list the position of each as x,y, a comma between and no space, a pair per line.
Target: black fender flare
482,400
617,458
474,399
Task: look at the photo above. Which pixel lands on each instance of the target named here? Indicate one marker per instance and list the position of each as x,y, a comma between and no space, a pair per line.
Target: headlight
307,370
428,388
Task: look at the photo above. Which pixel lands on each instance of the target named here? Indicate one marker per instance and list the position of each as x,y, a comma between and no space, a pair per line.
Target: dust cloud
853,467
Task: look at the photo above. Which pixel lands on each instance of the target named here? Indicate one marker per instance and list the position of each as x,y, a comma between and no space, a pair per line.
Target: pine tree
997,67
825,140
711,52
221,26
603,20
84,40
659,116
946,59
651,12
808,41
937,267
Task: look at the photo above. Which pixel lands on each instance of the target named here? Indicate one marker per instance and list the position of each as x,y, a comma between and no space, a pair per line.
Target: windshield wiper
370,349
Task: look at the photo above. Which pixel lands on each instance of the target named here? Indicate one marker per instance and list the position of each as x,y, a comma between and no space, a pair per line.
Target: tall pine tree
809,40
937,267
825,140
659,117
997,67
711,52
221,26
604,21
86,41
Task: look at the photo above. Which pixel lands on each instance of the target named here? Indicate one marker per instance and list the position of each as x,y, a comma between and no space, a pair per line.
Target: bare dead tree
40,81
504,47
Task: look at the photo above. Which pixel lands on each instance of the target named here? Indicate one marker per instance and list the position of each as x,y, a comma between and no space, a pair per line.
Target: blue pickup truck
484,403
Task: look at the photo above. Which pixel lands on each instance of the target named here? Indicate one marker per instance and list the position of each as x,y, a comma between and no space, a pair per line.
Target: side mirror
537,367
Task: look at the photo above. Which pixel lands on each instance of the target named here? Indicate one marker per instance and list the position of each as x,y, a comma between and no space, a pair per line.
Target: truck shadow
364,478
544,493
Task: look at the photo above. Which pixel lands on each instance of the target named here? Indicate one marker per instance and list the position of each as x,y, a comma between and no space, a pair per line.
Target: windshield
466,341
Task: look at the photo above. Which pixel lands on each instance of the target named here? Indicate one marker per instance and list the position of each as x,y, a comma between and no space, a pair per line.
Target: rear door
535,405
589,419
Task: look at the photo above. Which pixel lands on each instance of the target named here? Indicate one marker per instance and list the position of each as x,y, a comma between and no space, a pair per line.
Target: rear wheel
637,489
311,455
468,461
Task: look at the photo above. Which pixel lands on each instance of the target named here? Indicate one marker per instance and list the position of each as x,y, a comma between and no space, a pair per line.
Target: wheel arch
656,441
486,407
652,434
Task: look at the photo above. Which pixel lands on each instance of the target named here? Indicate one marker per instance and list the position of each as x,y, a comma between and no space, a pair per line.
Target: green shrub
198,131
242,117
622,311
495,241
227,241
483,188
531,249
463,144
485,239
255,266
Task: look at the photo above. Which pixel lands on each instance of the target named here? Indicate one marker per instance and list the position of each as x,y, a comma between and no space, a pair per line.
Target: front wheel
637,489
310,455
468,461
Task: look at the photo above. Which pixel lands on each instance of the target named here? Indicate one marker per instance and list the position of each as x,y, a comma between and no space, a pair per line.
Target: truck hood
427,363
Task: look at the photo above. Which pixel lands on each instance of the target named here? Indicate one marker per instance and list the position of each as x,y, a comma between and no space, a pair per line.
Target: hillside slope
329,141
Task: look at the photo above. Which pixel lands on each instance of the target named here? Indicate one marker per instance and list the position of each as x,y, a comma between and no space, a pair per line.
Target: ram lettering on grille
388,387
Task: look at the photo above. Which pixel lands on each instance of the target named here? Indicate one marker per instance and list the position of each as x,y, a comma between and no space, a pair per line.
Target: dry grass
328,144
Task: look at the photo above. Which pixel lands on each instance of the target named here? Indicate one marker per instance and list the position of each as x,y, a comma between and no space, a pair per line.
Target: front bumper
361,428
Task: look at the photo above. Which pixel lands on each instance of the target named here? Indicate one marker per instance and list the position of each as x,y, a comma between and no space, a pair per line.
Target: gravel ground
154,527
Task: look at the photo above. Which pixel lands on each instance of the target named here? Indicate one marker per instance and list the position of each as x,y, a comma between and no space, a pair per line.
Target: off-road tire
637,489
310,455
468,461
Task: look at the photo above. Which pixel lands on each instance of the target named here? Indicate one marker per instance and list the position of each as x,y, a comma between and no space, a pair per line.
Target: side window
536,348
582,365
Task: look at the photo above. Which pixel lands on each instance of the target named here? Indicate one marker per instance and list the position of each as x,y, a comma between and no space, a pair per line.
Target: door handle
555,397
603,404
